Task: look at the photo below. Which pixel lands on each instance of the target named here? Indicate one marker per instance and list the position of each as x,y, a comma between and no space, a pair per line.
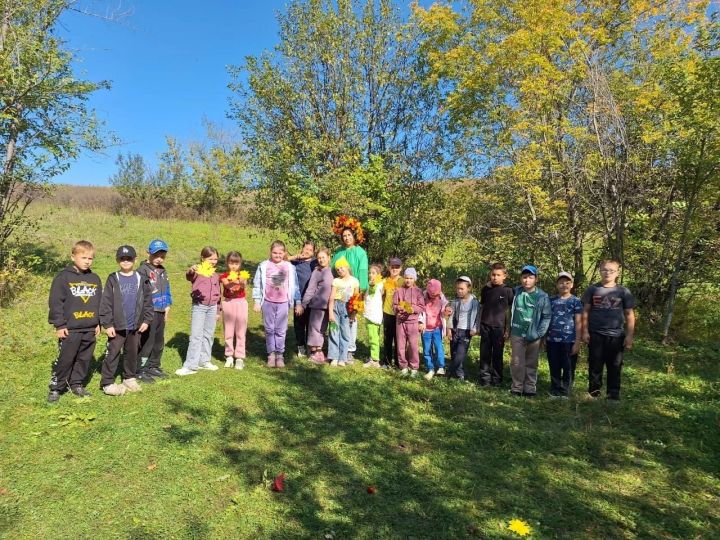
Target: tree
44,118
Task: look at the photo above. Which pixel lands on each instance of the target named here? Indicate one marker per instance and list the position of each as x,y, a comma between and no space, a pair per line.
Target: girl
390,283
205,296
343,288
316,299
275,290
434,332
374,313
409,306
235,311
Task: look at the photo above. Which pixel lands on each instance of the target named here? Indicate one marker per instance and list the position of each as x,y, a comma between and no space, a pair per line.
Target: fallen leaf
152,467
279,483
4,491
372,490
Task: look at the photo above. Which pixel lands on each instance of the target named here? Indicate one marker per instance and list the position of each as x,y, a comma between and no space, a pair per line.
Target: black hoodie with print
75,300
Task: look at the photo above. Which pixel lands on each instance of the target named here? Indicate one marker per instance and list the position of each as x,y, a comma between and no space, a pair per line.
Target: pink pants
408,334
235,321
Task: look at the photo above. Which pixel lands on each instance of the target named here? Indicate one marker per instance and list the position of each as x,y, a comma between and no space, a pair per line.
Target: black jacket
161,297
112,313
75,300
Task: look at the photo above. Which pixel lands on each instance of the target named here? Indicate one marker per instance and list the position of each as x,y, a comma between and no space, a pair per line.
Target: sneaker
185,371
350,358
302,351
529,394
229,361
440,371
334,363
342,363
132,385
114,389
271,360
515,394
414,373
209,366
239,363
429,375
369,363
80,391
279,361
384,366
317,358
404,371
53,396
145,377
157,373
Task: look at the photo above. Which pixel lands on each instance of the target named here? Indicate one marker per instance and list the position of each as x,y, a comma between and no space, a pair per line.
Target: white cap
565,275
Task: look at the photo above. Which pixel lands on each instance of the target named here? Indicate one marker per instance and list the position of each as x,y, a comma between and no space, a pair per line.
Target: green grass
191,458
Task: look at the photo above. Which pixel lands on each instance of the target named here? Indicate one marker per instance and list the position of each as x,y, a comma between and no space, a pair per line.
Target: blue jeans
339,338
432,339
202,334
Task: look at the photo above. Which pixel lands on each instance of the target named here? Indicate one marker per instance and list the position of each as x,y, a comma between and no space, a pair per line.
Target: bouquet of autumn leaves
355,305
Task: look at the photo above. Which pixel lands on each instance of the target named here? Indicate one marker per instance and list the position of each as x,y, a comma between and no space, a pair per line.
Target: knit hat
410,272
342,261
434,287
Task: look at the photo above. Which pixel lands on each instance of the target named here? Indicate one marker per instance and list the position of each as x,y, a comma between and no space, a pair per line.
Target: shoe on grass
114,389
132,385
157,373
229,361
414,373
279,361
302,351
404,371
185,371
429,375
145,377
271,360
208,366
334,363
239,363
440,371
53,396
80,391
342,363
317,358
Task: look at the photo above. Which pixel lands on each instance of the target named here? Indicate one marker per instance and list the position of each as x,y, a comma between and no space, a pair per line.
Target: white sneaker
185,371
334,363
440,371
229,361
132,385
114,389
414,373
302,351
342,363
209,366
429,375
239,363
405,371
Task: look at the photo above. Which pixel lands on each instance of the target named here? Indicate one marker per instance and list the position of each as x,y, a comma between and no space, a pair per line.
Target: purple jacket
205,290
413,296
317,294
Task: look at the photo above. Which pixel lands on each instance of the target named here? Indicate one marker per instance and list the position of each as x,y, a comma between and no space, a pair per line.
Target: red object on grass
372,490
279,483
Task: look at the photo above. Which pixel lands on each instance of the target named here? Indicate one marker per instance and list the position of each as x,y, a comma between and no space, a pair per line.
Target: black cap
125,251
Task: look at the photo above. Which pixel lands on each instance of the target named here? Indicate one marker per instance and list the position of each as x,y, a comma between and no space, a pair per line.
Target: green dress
357,258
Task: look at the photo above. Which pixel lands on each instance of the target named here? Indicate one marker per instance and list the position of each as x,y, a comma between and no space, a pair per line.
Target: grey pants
202,333
524,364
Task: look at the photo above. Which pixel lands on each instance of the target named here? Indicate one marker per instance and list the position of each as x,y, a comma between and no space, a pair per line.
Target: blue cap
529,268
157,245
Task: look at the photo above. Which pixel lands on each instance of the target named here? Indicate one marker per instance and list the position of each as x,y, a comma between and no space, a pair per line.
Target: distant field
193,457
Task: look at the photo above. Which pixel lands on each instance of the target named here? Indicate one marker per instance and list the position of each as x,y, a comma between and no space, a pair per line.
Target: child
495,299
607,308
304,263
563,338
126,311
374,313
432,336
275,289
390,283
235,311
343,288
316,299
205,294
409,306
152,341
74,312
529,322
465,312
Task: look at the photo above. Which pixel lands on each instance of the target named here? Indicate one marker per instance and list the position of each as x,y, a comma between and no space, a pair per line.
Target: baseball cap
466,279
565,275
410,272
125,251
394,261
530,269
157,245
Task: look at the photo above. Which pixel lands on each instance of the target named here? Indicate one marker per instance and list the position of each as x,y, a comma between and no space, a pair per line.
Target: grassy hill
192,457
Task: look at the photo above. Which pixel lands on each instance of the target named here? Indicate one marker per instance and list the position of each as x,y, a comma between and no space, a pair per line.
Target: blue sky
167,64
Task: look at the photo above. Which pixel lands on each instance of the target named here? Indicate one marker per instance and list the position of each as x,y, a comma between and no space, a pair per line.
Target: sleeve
587,295
148,310
56,304
420,303
296,299
190,275
628,299
577,307
396,300
545,317
363,269
510,296
311,289
478,316
169,294
257,292
453,319
106,305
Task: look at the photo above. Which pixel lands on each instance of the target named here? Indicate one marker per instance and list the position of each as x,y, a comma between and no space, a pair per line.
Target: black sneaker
80,391
528,394
53,396
157,373
145,377
515,394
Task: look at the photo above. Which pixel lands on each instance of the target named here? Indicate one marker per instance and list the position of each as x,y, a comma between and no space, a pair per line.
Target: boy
304,264
126,311
390,284
607,309
529,322
74,305
496,299
465,317
152,342
563,338
408,305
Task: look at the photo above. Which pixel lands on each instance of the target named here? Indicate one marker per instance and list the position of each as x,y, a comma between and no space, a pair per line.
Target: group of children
133,306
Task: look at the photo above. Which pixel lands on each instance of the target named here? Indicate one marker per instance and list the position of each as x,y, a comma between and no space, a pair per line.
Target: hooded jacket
541,316
75,300
112,314
158,277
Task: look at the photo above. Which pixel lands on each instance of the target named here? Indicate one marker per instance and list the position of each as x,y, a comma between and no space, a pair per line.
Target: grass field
193,457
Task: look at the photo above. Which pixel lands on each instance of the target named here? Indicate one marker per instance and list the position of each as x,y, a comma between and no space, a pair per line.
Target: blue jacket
542,314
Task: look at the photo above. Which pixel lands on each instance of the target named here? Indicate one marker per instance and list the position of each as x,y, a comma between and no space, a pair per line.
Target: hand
97,330
219,314
421,327
448,311
193,268
542,344
62,333
299,310
167,314
110,332
628,342
331,317
143,327
575,348
506,335
586,337
257,308
473,332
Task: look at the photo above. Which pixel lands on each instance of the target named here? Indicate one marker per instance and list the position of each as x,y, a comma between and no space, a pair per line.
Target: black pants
459,345
128,342
152,343
605,351
300,323
71,366
390,354
562,367
492,343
